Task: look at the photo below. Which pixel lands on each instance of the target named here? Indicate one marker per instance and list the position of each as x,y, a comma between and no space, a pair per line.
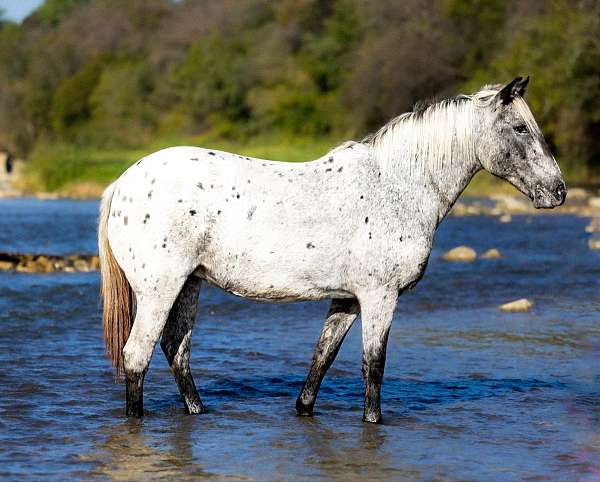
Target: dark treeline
114,73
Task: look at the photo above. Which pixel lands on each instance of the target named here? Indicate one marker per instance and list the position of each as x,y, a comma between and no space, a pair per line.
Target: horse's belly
278,287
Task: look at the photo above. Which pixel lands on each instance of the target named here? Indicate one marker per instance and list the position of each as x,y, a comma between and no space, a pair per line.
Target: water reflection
127,452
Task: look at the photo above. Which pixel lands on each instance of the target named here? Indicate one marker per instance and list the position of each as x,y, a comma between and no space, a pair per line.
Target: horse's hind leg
341,315
175,343
151,315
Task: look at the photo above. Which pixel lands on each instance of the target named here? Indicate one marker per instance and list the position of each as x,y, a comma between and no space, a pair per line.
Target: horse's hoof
372,418
195,409
304,410
136,412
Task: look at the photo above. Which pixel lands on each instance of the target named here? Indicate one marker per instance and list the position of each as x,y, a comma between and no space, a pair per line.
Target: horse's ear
518,86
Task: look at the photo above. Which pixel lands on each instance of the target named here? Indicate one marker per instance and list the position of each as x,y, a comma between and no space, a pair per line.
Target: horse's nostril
561,191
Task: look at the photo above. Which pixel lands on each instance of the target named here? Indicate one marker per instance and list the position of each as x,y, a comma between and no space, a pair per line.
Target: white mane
436,136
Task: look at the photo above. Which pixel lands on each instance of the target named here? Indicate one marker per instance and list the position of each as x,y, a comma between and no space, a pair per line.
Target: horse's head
510,145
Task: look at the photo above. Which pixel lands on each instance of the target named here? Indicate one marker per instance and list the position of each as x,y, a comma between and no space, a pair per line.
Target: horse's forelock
525,112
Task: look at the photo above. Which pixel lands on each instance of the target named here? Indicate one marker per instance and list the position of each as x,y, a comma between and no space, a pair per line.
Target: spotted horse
355,226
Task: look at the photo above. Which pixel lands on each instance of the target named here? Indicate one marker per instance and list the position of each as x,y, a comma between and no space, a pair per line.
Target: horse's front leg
377,310
339,319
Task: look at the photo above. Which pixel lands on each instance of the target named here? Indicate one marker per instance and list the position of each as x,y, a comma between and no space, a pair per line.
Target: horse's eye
520,129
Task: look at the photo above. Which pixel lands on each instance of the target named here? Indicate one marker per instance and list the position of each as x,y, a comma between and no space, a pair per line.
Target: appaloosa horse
356,225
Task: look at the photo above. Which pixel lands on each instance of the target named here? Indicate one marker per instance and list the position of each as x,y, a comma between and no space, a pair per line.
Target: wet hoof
195,409
134,410
372,418
304,410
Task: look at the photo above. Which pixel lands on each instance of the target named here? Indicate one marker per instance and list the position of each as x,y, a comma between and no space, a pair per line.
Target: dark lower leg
372,367
373,375
187,388
176,343
339,320
377,312
177,351
134,394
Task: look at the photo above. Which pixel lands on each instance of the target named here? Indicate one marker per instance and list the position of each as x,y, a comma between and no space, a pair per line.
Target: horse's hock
11,170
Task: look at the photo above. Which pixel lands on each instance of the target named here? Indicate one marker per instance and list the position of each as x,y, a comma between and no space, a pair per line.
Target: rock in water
594,243
512,204
81,265
41,263
491,254
461,253
505,218
6,265
594,226
517,306
577,193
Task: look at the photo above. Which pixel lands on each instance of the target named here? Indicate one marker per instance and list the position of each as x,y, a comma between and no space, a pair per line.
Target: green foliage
71,101
52,11
479,26
560,49
90,75
121,112
325,54
214,78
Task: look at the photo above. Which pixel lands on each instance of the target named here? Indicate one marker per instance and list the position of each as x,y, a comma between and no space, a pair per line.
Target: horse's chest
395,254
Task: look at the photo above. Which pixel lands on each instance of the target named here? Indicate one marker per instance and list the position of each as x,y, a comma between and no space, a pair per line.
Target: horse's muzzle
545,198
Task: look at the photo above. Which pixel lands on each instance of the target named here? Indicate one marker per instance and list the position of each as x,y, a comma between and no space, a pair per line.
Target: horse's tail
118,300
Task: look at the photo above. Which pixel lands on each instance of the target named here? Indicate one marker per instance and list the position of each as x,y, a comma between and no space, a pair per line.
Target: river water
470,393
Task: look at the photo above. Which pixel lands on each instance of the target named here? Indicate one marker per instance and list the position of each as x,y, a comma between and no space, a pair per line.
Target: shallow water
470,393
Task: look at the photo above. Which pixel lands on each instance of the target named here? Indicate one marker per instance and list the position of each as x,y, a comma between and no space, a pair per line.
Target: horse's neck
441,178
434,190
446,186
